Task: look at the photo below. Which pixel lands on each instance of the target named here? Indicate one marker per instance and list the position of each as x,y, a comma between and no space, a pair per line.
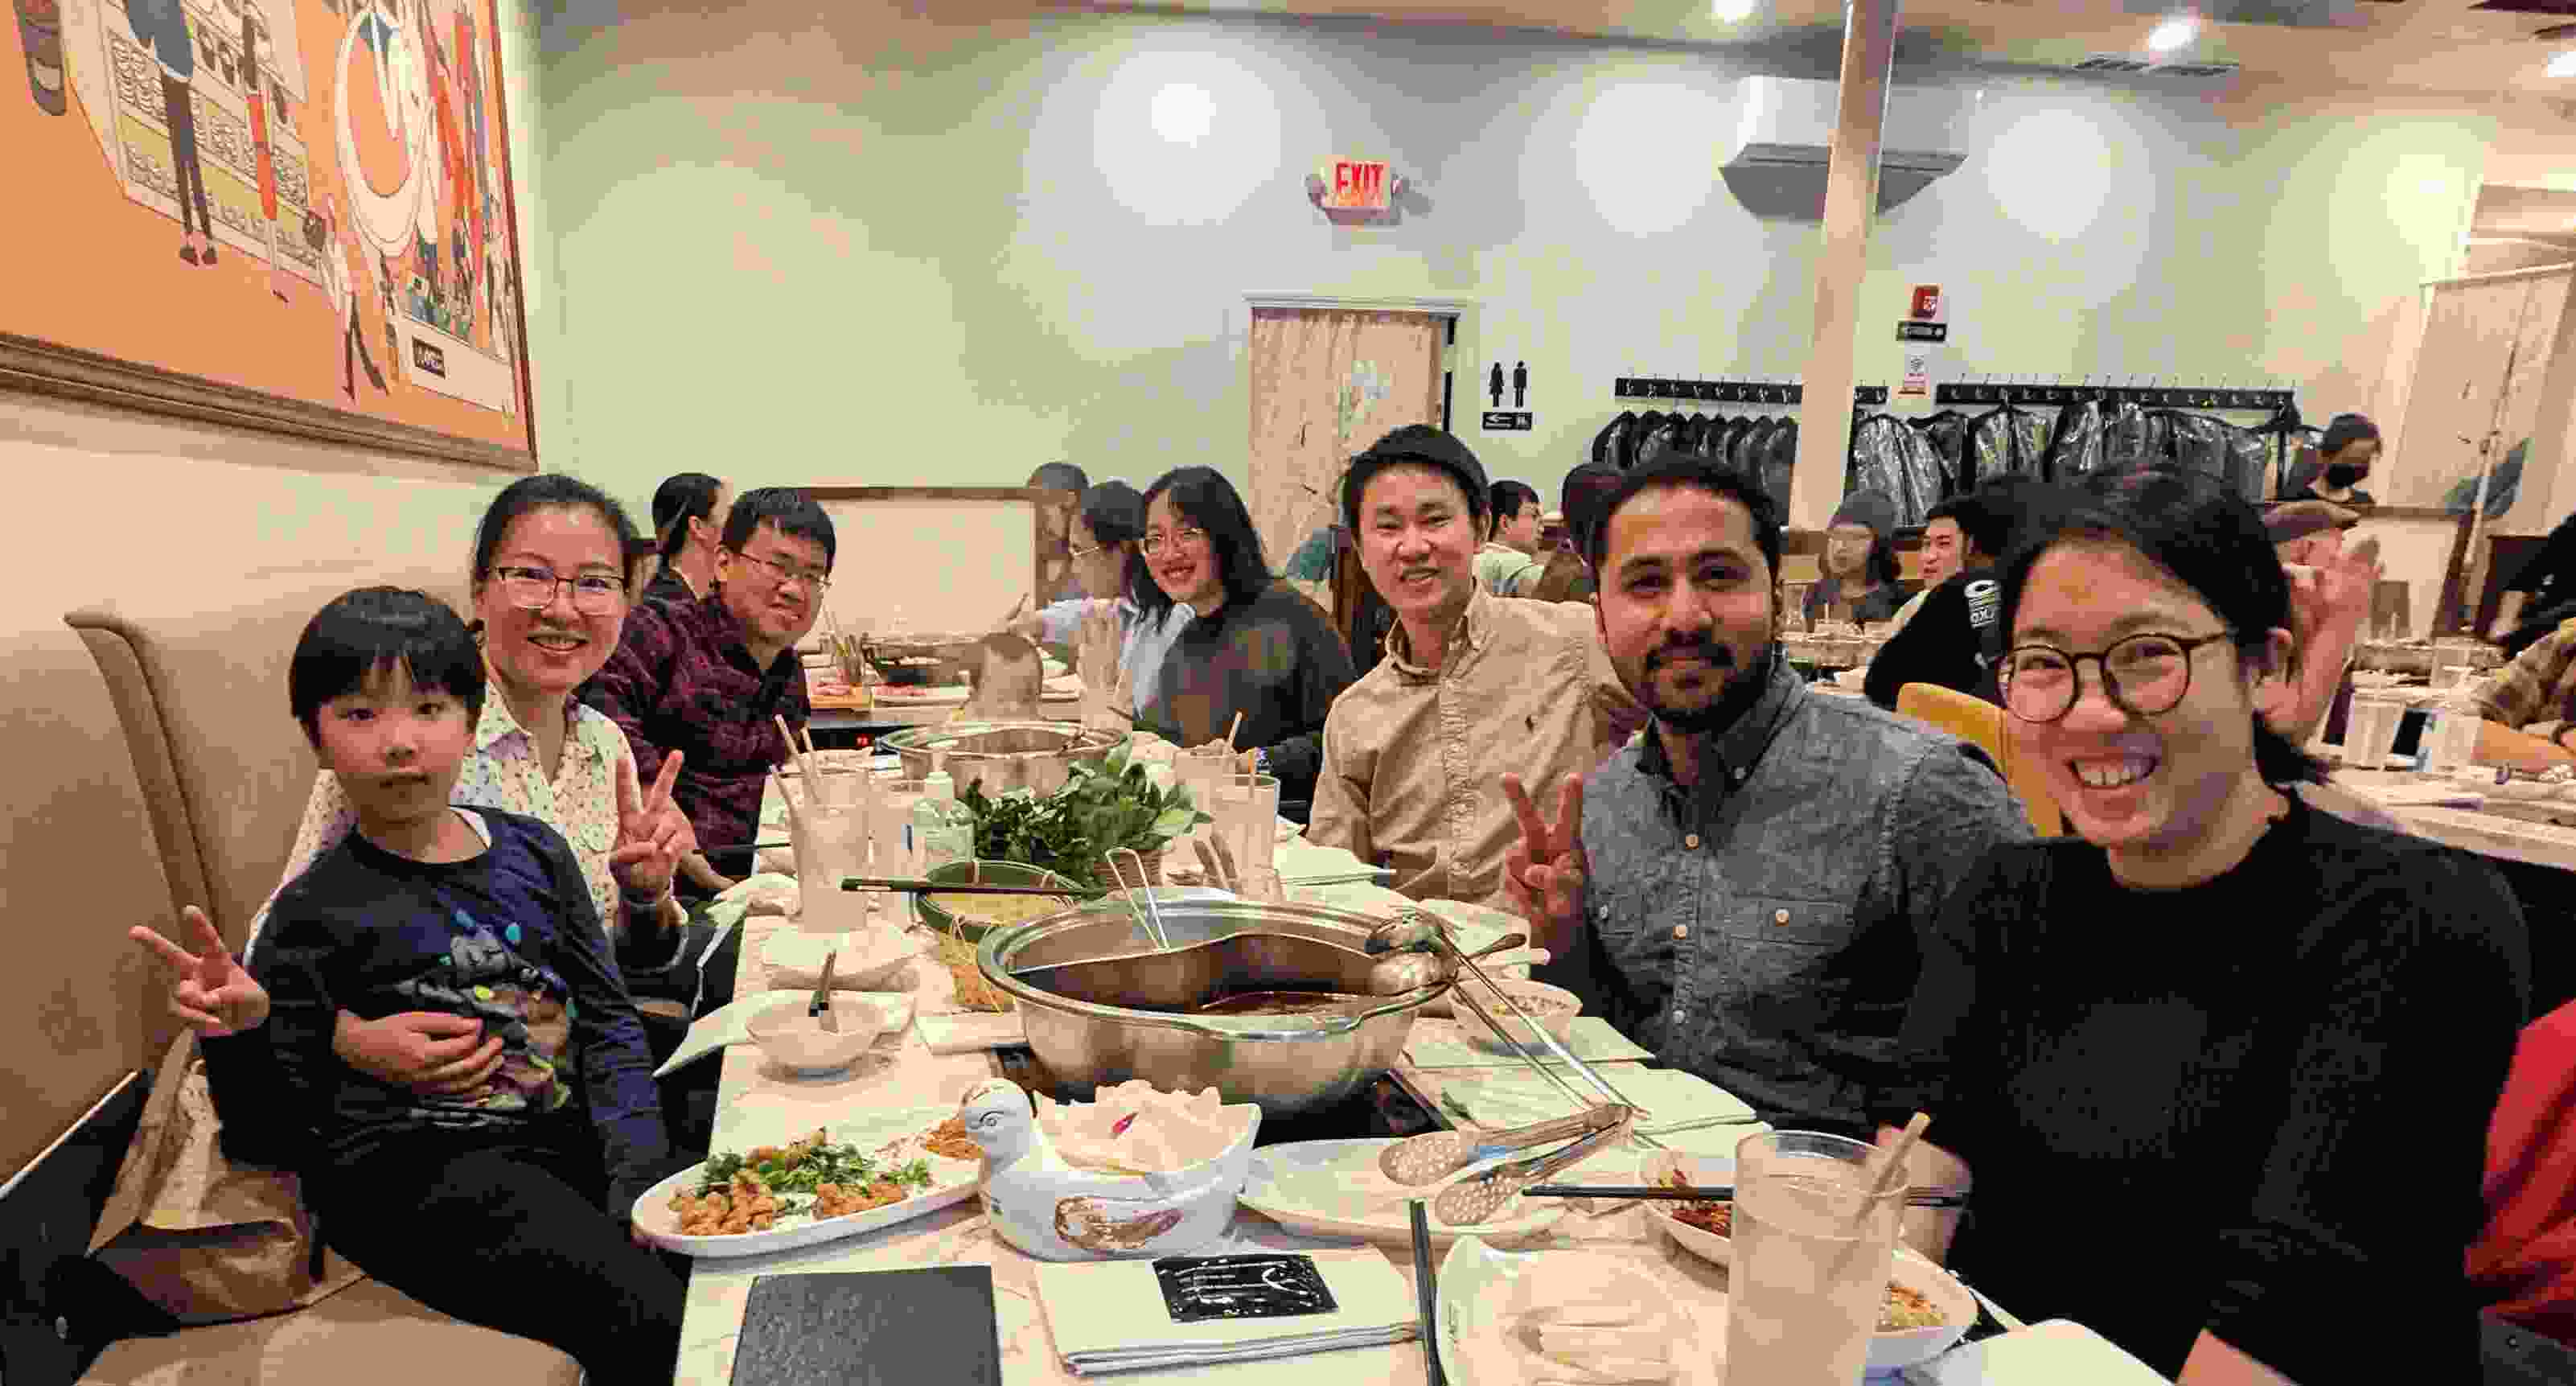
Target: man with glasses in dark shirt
707,677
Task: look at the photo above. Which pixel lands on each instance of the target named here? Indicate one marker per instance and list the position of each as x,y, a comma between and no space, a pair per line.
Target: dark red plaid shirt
682,680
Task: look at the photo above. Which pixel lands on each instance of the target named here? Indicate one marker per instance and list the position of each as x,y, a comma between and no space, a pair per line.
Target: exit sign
1357,185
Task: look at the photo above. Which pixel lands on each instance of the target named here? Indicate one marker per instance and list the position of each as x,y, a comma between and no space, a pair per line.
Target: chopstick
1721,1193
1425,1292
906,886
745,847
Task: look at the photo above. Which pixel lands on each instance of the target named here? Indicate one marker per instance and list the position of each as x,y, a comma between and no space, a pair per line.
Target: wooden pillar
1851,204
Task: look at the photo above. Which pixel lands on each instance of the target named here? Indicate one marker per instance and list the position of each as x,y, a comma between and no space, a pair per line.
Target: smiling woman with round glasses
2180,1024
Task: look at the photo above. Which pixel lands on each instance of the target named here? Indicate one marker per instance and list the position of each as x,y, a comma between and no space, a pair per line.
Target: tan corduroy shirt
1414,759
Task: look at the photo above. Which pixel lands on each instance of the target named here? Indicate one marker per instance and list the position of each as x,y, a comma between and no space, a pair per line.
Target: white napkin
968,1031
766,893
2044,1354
730,1024
1466,1043
1110,1316
1300,862
1673,1100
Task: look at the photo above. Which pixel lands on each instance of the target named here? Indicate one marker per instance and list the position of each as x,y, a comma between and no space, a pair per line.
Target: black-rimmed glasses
533,589
784,574
2144,674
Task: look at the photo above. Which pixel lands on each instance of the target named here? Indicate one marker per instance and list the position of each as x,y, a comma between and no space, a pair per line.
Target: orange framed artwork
293,215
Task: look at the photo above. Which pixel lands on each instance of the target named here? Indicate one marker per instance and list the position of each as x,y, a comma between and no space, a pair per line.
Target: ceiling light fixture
2173,33
1734,11
2564,65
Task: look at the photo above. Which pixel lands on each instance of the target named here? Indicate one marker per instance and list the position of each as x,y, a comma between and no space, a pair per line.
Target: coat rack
2149,396
1731,391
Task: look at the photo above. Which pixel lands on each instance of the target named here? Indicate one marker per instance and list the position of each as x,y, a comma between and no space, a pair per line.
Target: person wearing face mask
1510,554
1744,890
709,678
1860,581
1472,685
2193,1019
1256,647
1104,536
2344,458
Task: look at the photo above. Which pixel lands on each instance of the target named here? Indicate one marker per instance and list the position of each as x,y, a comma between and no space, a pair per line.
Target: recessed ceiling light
2173,33
2564,65
1734,11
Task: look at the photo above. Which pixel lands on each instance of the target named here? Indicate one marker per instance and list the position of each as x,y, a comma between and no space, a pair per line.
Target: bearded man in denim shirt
1745,889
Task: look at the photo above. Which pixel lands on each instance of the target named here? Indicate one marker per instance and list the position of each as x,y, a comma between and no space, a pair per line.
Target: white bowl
1887,1351
787,1034
1555,1008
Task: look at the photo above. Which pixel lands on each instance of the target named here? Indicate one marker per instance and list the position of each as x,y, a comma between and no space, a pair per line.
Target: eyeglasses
1086,553
787,574
533,589
2144,674
1186,539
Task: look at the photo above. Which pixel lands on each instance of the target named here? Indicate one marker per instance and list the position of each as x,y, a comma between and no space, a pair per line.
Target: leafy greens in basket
1101,809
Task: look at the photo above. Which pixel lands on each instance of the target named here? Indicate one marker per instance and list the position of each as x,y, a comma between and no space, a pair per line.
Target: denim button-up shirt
1764,928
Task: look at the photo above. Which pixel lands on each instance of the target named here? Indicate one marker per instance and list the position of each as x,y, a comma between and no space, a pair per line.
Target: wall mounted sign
1507,420
1927,303
1357,185
1913,331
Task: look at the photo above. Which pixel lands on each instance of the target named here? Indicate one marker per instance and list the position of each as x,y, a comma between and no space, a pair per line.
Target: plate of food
1927,1310
1523,1318
1335,1189
837,1181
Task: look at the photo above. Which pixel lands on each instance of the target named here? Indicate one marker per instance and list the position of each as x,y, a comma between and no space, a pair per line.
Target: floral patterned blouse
502,773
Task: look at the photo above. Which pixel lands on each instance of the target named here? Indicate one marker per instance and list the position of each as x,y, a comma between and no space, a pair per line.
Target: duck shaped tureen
1134,1173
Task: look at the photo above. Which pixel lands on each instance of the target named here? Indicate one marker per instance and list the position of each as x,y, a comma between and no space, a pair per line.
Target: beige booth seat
197,676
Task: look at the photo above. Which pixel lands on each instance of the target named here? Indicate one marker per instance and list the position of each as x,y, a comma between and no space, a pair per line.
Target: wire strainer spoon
1476,1198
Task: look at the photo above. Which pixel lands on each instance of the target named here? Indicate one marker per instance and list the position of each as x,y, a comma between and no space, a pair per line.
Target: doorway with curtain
1327,381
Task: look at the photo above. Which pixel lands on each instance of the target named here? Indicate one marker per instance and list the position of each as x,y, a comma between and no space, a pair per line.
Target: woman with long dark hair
1256,647
2188,1025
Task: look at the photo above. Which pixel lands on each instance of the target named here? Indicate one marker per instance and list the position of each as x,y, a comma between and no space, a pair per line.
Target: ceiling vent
2290,14
2113,62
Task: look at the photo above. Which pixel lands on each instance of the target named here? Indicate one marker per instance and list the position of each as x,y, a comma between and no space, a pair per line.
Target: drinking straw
1230,732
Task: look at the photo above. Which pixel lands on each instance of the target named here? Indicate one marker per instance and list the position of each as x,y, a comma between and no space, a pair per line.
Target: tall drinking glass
1246,809
1200,772
890,827
1812,1254
2372,728
831,843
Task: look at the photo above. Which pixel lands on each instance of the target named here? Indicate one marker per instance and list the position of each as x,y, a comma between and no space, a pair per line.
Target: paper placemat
1673,1100
962,1032
1454,1044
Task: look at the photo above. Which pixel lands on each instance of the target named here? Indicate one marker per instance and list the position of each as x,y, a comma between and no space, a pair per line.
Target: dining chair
1981,724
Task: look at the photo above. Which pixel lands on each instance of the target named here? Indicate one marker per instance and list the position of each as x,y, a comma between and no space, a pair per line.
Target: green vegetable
1101,809
805,1167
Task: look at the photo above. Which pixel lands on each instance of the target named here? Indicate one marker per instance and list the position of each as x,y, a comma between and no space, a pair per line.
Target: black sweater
2257,1106
508,937
1275,660
1955,640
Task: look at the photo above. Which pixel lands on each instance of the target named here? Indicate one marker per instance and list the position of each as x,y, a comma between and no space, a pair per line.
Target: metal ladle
1414,930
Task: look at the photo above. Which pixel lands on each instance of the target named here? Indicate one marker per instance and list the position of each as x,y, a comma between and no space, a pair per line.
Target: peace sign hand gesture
1545,869
652,835
213,994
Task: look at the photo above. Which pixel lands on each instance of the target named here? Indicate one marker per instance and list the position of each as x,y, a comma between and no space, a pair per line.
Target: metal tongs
1414,930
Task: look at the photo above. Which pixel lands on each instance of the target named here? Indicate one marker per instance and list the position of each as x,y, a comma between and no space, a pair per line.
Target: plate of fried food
833,1182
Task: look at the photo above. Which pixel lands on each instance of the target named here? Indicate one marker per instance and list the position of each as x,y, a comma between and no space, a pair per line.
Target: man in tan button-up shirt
1472,686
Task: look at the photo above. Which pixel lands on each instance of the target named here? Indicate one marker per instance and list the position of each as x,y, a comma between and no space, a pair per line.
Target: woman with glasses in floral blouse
549,592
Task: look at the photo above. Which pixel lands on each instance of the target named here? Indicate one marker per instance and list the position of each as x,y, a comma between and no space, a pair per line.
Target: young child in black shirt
506,1205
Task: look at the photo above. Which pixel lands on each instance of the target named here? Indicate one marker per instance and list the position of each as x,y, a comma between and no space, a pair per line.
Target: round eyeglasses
533,589
2144,674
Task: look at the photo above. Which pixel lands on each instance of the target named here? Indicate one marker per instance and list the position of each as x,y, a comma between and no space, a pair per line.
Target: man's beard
1743,687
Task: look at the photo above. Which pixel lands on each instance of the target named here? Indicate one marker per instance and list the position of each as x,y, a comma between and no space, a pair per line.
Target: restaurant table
2532,844
901,1072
